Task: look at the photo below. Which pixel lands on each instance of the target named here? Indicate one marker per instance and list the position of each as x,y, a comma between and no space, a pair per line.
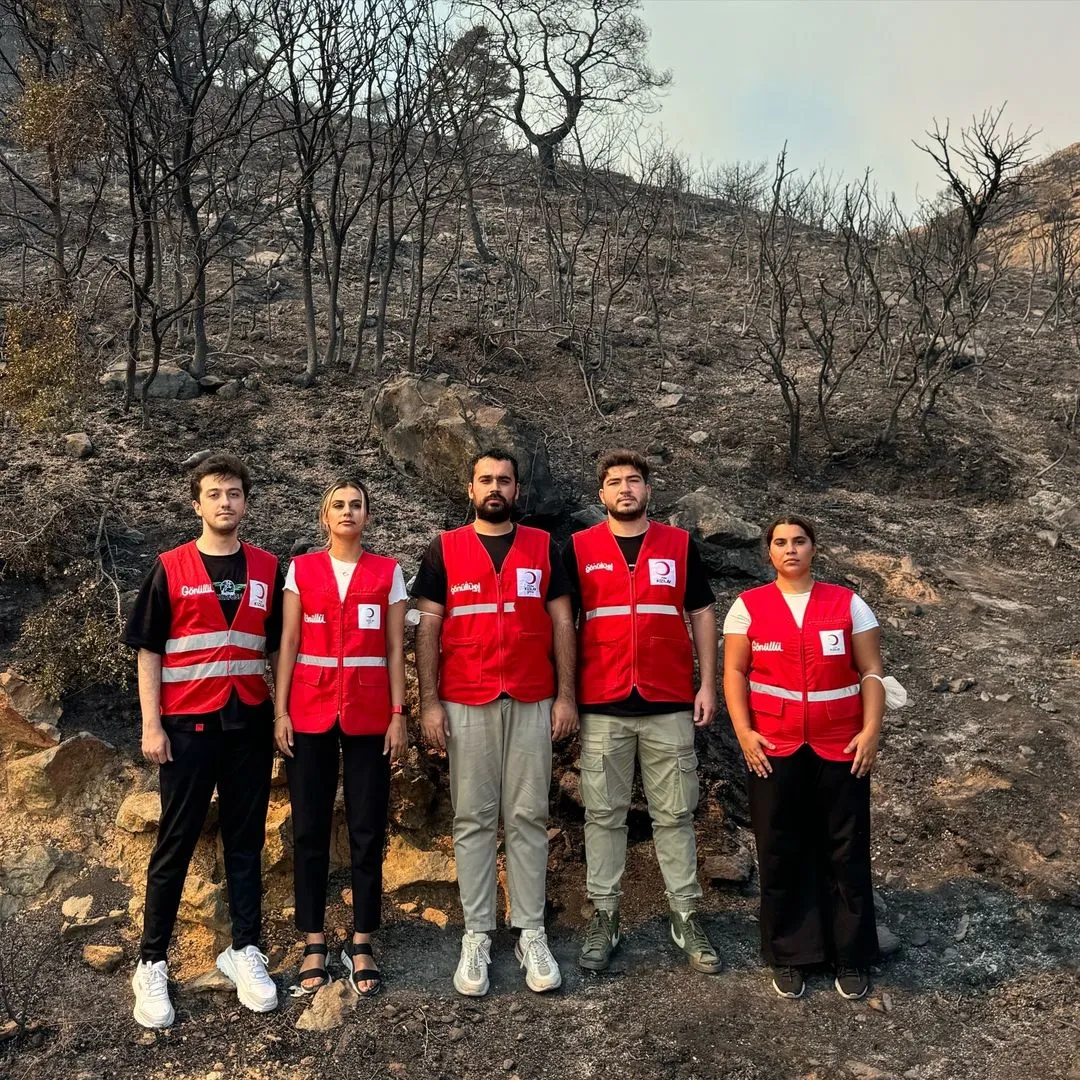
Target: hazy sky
850,84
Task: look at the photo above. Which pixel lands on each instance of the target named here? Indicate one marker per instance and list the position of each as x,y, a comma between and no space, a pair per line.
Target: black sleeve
430,583
570,568
151,618
699,593
273,623
560,583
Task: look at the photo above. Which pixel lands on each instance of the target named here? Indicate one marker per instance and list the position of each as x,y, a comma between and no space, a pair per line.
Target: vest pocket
309,674
594,785
845,710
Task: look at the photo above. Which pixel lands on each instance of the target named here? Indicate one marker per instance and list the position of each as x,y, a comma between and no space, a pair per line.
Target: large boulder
140,812
432,431
407,865
729,545
41,782
170,382
17,734
29,701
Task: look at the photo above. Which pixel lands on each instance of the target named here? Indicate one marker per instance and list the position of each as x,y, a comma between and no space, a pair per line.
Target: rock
1057,510
73,931
170,382
888,942
8,1030
140,812
40,782
103,958
406,865
411,795
278,777
962,927
17,734
28,701
252,381
277,853
434,915
210,982
328,1008
879,904
195,460
409,907
203,903
588,516
77,907
230,391
433,431
669,401
1046,847
30,871
1050,537
78,445
456,1034
671,388
703,514
699,437
960,686
265,260
918,936
644,321
735,867
211,384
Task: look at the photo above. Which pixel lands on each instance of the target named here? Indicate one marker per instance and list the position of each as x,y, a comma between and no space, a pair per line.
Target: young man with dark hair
207,618
638,581
495,658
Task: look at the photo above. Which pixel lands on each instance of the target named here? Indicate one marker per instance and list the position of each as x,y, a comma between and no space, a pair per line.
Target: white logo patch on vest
528,582
369,616
591,568
196,590
832,642
662,572
318,617
258,593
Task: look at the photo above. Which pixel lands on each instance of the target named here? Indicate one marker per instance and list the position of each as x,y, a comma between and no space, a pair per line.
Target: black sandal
359,975
299,989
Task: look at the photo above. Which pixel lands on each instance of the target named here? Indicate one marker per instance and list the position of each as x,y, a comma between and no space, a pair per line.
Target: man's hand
865,748
156,747
397,738
705,707
564,718
283,734
435,725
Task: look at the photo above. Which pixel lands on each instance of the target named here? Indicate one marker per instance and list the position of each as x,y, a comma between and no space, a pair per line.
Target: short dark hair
496,455
790,519
621,456
220,465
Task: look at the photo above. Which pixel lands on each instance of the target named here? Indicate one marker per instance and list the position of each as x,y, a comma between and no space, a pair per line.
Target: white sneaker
541,970
246,969
153,1009
471,977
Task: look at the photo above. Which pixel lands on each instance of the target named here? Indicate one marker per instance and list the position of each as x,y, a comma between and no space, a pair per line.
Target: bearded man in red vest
637,581
207,618
495,658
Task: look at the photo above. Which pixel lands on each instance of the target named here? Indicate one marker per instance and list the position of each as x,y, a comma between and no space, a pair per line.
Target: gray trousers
500,758
664,744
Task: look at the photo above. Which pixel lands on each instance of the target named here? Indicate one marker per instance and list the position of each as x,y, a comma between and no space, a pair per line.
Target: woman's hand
397,738
865,748
754,746
283,734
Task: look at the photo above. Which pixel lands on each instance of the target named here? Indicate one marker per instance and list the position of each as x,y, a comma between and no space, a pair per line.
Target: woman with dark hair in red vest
341,683
803,684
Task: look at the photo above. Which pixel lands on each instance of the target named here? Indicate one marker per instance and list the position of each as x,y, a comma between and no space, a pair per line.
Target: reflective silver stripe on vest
475,609
509,607
813,695
350,661
217,640
218,669
600,612
658,609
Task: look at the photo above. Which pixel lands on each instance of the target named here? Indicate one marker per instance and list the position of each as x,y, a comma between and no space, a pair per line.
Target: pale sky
850,83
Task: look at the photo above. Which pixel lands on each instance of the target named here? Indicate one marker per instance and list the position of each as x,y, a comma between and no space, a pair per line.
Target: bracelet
397,710
872,675
282,714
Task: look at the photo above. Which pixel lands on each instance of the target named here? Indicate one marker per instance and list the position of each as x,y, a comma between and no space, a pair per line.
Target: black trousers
811,819
312,774
238,763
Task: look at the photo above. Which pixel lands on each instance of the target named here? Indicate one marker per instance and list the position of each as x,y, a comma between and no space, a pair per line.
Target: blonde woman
341,688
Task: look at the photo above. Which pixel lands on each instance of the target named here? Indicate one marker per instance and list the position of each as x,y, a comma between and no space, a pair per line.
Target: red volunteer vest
496,632
205,660
341,672
804,687
631,631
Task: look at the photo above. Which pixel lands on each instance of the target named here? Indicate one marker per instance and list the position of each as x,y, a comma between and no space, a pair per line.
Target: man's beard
628,515
494,514
222,529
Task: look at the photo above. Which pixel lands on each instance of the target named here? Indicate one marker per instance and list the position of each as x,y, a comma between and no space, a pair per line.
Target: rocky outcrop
140,812
406,865
431,430
170,382
41,782
729,546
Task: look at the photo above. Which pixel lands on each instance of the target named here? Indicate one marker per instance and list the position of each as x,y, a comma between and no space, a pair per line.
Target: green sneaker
687,933
601,940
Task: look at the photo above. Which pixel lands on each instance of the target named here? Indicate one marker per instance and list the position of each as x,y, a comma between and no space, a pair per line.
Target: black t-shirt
150,622
430,583
699,594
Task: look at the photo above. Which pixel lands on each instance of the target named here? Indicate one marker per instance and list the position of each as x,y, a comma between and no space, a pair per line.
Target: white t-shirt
737,620
343,572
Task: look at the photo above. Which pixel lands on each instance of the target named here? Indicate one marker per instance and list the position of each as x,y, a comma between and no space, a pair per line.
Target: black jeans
811,819
238,763
313,773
